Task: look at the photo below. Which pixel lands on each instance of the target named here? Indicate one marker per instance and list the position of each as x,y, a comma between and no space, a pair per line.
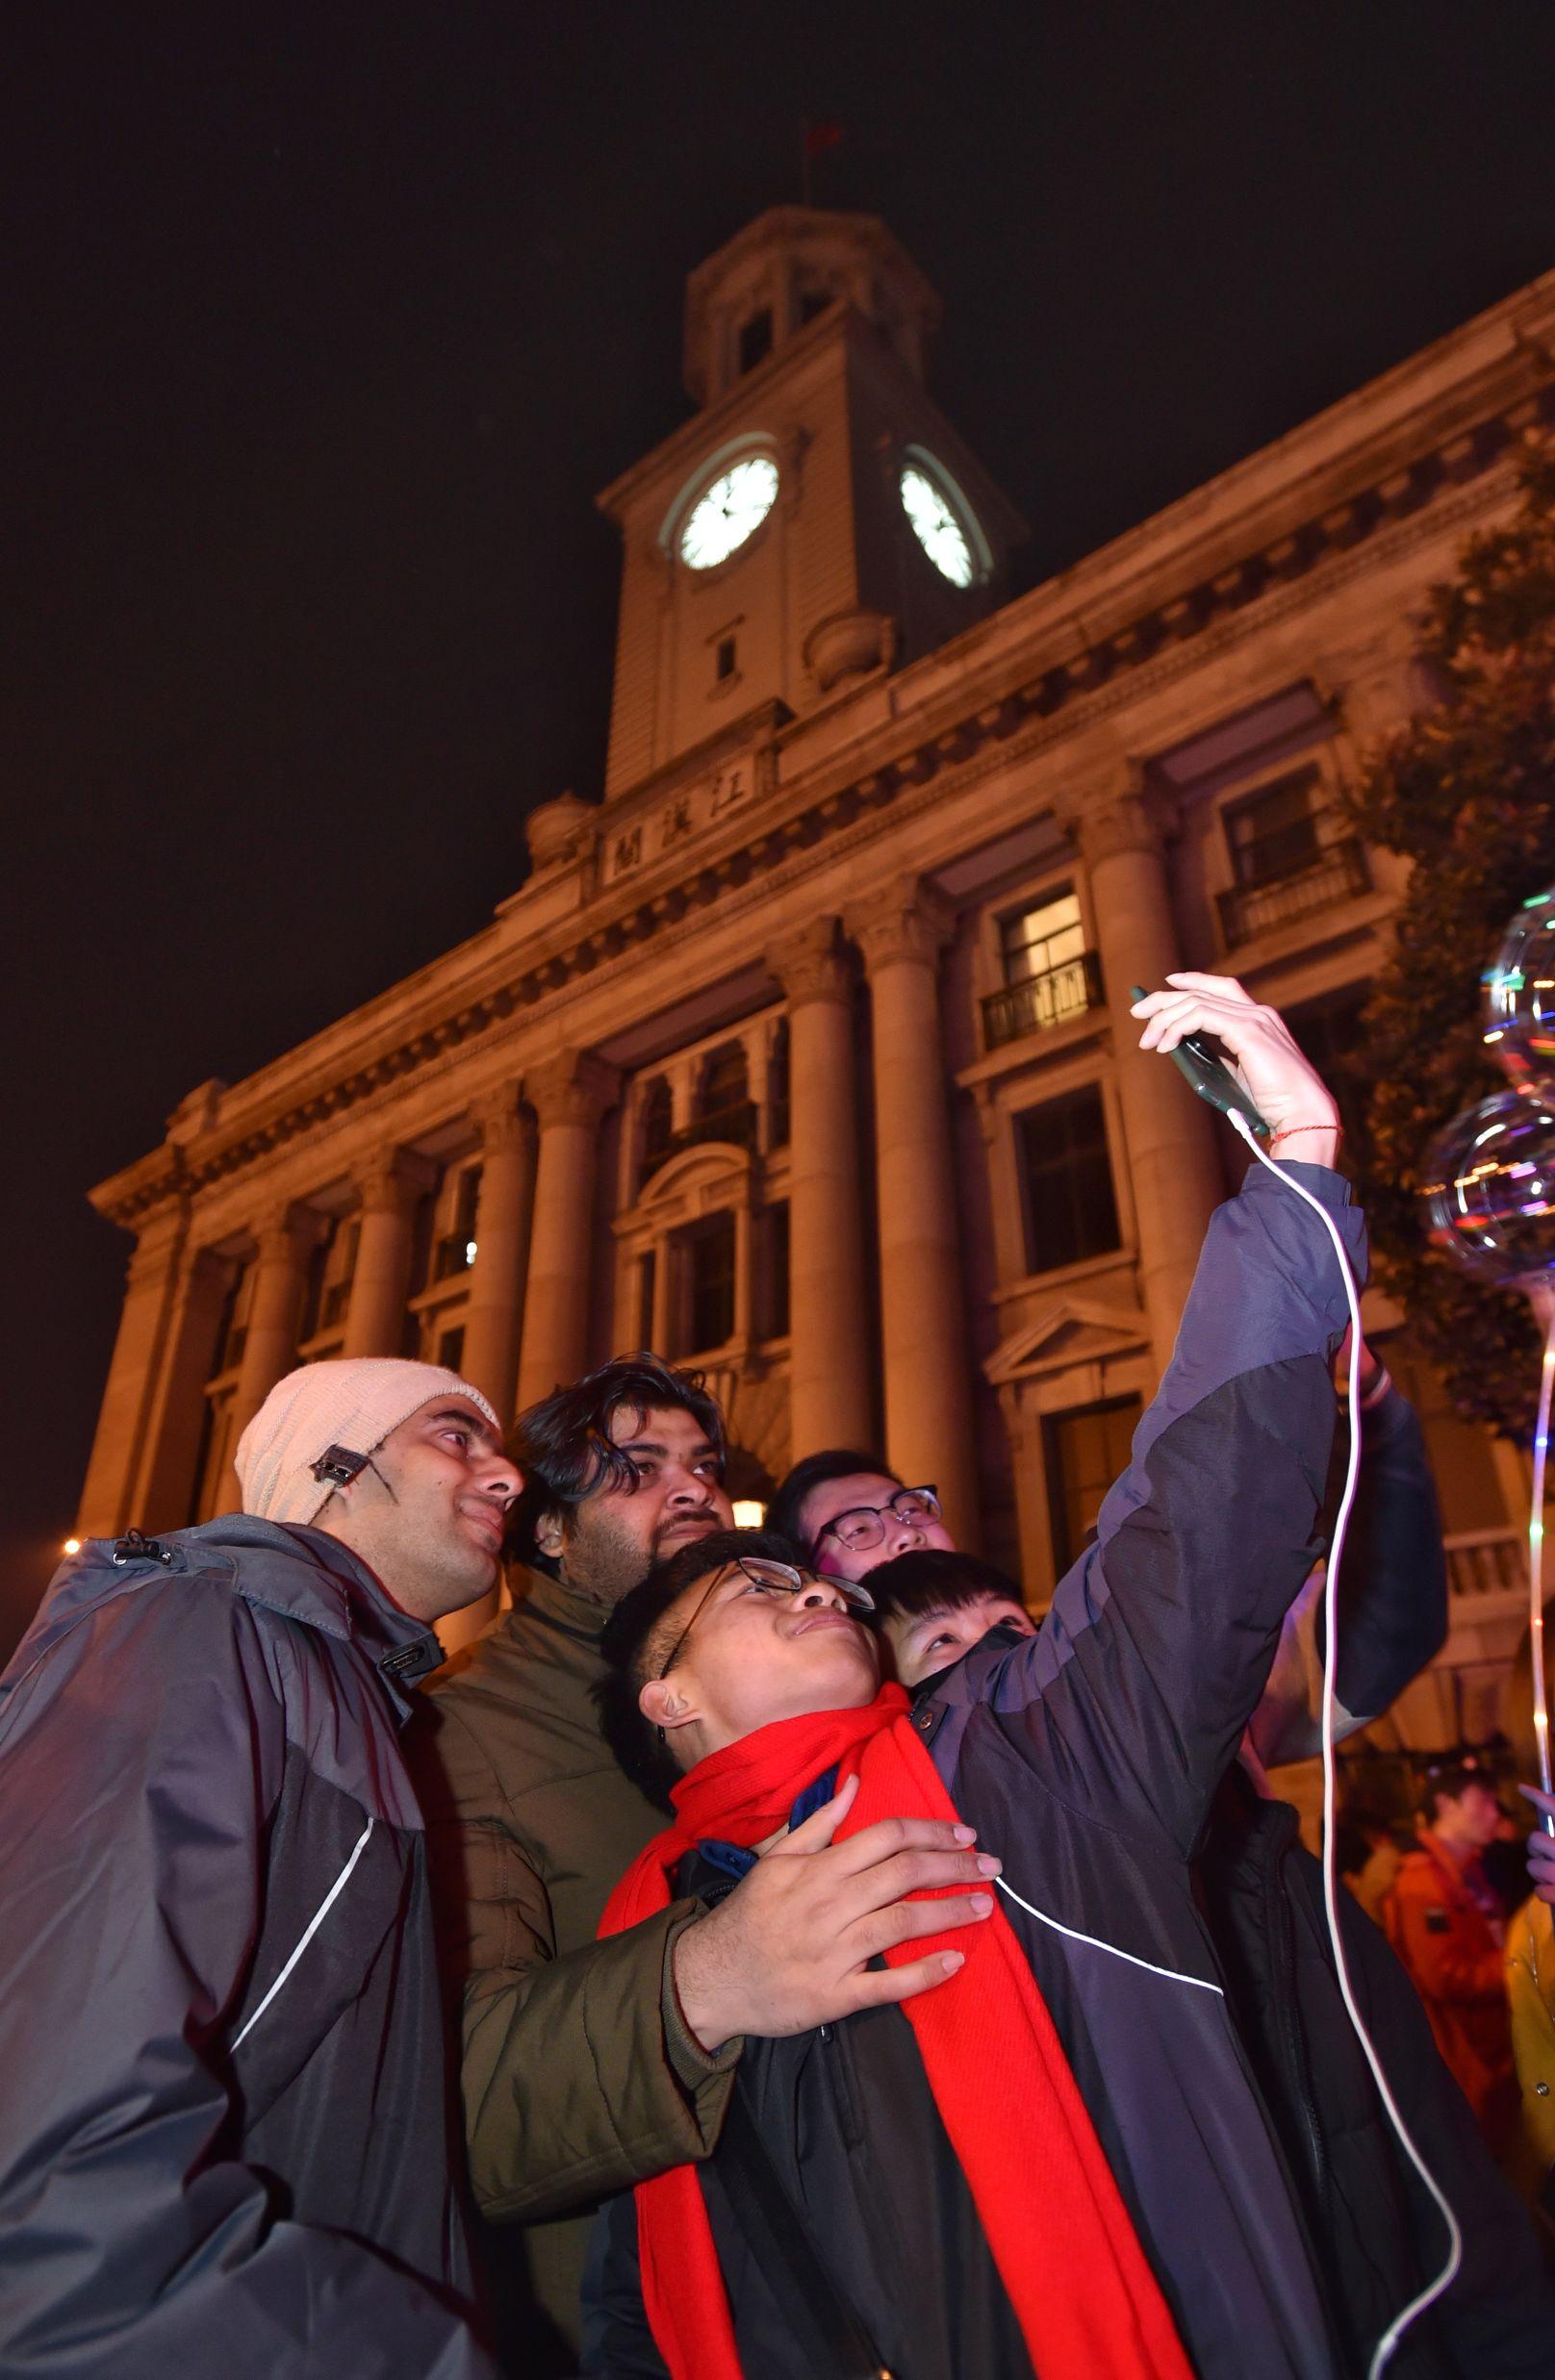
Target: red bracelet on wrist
1289,1132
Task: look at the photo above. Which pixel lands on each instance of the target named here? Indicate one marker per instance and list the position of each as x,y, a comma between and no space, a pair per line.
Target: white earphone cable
1444,2279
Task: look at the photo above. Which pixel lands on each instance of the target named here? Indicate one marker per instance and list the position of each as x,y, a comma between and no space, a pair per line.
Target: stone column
1034,1516
569,1093
495,1314
1174,1167
283,1240
166,1488
389,1189
922,1299
830,1399
108,1496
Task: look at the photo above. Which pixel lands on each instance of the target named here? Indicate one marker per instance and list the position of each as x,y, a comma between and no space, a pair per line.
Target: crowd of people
766,1952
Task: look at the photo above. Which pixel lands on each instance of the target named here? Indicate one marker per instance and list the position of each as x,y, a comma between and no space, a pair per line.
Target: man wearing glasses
849,1514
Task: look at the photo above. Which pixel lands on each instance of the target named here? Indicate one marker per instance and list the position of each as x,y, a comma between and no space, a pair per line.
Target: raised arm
132,1815
1393,1618
1158,1640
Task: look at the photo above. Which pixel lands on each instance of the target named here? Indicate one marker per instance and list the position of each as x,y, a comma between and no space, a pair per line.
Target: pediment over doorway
1073,1330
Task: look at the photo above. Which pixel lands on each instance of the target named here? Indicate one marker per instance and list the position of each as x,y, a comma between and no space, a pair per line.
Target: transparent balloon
1520,994
1490,1185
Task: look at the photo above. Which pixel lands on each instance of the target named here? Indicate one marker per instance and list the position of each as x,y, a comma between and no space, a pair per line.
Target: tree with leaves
1466,792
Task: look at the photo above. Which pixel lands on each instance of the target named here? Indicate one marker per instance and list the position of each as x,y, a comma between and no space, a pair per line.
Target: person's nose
903,1536
500,1478
688,1490
819,1595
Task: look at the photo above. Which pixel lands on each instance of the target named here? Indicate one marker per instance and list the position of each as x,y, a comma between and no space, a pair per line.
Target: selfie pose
1058,2161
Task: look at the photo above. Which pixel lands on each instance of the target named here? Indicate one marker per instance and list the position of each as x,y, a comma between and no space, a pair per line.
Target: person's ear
666,1704
549,1535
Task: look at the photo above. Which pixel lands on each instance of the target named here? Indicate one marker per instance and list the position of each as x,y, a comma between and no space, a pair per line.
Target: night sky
325,326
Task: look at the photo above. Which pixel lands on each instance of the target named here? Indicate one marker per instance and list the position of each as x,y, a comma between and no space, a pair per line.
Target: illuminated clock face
733,508
936,528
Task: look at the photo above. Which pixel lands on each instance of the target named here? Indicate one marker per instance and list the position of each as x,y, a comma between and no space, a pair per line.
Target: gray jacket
225,2139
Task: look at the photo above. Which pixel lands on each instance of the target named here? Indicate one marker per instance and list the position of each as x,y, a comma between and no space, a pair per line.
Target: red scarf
1060,2234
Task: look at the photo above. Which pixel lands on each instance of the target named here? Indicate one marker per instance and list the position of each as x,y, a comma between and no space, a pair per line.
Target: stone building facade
803,1052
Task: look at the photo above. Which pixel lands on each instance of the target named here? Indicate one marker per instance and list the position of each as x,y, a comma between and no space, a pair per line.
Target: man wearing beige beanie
224,2137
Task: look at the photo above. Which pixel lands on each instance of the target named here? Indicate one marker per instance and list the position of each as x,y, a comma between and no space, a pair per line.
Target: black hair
636,1644
1449,1780
564,1448
786,1512
935,1579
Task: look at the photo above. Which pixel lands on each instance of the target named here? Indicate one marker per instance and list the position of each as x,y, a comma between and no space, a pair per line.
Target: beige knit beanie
352,1403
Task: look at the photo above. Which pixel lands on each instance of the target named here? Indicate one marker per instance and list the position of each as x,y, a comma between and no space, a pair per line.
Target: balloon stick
1543,1302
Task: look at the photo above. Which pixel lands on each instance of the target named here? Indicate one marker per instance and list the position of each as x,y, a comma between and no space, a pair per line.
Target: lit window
1085,1453
1039,941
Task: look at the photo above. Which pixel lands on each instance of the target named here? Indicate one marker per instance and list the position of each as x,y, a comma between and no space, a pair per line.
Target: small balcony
736,1125
1036,1004
453,1254
1486,1565
1337,873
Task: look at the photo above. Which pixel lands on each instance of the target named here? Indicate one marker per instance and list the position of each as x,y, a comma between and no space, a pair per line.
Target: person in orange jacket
1446,1923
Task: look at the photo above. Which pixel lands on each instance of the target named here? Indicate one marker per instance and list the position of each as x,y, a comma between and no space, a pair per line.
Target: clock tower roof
779,272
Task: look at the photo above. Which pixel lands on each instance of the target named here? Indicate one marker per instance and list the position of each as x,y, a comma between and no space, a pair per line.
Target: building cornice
1031,676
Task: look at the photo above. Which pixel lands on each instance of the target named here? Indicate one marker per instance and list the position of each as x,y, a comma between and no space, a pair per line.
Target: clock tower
817,521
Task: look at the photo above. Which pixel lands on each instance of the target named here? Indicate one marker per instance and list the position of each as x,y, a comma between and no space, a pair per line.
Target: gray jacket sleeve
139,1759
1394,1598
1133,1695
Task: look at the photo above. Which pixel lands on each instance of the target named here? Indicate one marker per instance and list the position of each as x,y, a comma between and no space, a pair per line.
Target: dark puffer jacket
1378,2237
225,2135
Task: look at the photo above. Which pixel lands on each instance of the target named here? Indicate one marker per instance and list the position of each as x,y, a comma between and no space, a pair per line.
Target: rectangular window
813,302
778,1123
775,1320
1039,941
450,1351
1274,833
1066,1177
647,1274
724,667
708,1250
337,1301
1086,1451
1327,1031
230,1332
312,1295
755,339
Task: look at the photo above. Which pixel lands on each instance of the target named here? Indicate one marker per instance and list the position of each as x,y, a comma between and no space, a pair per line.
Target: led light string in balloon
1489,1198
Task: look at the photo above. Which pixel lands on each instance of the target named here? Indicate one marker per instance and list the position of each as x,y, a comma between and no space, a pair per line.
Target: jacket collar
314,1579
563,1608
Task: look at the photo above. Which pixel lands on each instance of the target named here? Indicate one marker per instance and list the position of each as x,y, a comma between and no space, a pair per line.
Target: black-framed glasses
768,1577
863,1525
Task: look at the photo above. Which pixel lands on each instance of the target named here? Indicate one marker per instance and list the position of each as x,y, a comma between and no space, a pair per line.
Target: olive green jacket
578,2073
